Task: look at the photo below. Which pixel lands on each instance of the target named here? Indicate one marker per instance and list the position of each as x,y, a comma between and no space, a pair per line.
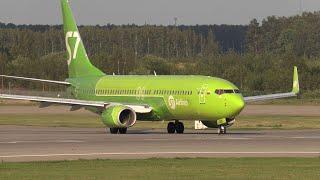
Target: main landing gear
175,127
222,130
118,130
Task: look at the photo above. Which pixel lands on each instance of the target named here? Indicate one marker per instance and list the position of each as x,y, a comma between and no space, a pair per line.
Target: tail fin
78,62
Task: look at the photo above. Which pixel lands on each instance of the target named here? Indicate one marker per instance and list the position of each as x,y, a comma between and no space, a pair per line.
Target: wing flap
143,109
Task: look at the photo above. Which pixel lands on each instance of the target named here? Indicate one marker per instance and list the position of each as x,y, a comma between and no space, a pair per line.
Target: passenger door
203,94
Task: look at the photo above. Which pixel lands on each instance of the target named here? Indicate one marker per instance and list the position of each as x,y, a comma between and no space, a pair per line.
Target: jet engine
119,116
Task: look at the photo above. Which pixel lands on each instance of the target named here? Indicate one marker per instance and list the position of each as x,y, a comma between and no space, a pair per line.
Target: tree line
257,57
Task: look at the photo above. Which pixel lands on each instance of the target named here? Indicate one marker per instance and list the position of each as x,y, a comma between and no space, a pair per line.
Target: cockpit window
237,91
227,91
219,91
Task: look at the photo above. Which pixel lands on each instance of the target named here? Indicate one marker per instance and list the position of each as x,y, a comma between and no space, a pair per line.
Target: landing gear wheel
179,127
222,130
114,130
123,130
171,128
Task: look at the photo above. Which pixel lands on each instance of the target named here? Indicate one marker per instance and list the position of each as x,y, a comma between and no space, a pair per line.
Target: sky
160,12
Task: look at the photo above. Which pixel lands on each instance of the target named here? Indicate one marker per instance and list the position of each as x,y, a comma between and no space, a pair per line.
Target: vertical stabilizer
79,64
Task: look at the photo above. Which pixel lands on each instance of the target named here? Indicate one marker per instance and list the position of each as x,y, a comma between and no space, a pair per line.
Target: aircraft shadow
194,133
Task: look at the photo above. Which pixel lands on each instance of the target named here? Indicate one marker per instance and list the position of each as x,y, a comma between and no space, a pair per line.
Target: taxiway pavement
21,143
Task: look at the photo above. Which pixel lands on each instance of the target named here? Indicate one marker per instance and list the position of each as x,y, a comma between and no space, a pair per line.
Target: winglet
295,87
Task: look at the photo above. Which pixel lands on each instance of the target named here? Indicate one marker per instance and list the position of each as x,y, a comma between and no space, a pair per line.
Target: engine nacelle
119,116
215,124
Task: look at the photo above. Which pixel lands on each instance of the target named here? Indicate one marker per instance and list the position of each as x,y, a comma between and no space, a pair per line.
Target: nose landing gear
222,130
175,127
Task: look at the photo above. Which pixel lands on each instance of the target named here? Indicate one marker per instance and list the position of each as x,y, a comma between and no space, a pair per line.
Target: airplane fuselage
171,97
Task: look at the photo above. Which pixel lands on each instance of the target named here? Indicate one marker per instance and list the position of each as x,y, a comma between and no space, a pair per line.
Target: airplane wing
35,79
75,103
293,93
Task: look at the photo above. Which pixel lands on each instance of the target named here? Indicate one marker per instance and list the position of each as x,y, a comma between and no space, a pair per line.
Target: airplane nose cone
237,105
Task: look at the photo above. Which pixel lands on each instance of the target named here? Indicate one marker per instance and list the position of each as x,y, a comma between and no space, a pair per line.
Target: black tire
221,130
123,130
179,128
171,128
114,130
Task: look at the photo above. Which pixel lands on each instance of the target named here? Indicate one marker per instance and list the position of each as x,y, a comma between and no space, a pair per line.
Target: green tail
78,62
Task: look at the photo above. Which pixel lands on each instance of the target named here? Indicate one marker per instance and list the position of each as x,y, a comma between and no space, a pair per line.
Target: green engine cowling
221,122
119,116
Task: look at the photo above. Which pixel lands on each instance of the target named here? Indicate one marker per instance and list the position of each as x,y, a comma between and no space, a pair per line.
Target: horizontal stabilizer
35,79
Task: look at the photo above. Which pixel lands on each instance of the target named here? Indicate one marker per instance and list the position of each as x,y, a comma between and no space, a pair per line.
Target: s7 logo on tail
72,52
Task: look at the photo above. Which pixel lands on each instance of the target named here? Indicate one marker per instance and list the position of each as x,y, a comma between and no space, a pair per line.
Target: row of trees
257,57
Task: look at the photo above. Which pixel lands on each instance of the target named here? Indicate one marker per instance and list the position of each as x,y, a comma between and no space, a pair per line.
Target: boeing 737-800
121,100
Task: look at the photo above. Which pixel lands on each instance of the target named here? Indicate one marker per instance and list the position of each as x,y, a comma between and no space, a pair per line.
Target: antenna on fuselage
155,73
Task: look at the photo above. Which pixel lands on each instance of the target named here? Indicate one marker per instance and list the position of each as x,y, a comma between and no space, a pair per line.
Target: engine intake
119,116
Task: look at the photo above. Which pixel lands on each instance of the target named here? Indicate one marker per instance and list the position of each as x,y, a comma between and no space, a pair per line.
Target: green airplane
122,100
